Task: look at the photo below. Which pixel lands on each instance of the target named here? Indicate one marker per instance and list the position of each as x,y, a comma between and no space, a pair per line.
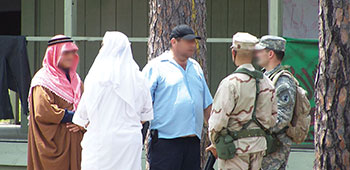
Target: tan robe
50,144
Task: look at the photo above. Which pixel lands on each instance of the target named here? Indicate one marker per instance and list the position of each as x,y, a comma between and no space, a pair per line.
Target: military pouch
225,147
273,143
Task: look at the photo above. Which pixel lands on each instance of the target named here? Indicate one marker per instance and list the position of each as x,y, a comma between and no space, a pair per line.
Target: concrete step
13,156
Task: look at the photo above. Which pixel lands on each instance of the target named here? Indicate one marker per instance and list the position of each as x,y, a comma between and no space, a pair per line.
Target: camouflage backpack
299,126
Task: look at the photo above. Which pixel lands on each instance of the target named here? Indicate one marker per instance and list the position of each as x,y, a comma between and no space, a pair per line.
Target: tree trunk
165,15
332,127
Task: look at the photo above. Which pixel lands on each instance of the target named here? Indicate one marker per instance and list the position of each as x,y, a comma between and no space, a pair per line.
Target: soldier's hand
212,149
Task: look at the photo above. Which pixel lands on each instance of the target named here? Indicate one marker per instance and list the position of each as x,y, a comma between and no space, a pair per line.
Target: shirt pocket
172,79
196,83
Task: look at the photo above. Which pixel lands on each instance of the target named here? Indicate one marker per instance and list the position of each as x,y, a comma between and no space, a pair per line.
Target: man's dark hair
279,54
170,45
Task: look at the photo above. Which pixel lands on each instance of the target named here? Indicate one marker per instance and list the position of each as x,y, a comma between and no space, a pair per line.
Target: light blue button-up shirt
179,96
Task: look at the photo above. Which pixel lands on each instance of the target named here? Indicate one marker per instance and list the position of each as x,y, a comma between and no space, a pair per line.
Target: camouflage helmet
271,42
244,41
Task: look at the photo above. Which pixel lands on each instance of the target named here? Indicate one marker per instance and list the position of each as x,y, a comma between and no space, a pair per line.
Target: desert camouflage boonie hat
271,42
244,41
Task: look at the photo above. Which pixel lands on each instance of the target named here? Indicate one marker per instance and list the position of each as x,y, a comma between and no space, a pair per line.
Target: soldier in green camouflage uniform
270,55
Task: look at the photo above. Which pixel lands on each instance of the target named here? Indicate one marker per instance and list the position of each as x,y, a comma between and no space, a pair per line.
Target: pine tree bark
332,126
165,15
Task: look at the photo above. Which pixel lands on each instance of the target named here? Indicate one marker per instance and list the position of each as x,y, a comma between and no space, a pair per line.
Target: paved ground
301,159
13,156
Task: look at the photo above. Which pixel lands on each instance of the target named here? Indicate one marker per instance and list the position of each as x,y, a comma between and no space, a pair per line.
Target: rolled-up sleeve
151,75
147,109
208,99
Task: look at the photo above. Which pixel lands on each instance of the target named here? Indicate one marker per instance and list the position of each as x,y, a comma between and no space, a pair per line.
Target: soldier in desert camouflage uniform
234,105
270,55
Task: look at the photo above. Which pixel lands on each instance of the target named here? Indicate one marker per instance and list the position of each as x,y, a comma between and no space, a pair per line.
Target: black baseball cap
185,32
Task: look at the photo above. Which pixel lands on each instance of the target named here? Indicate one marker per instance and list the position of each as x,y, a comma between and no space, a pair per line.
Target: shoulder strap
275,76
276,73
257,75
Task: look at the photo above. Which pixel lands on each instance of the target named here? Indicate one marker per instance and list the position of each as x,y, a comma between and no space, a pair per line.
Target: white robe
114,107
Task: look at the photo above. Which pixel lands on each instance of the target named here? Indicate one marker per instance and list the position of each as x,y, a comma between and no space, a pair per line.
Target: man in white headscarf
115,102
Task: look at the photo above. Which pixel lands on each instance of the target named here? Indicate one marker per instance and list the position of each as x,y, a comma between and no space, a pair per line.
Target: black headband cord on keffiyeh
59,40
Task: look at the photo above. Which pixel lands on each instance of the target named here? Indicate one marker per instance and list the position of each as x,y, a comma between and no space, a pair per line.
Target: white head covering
113,67
116,98
244,41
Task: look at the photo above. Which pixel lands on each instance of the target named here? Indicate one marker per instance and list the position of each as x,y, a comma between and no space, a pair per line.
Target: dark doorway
10,17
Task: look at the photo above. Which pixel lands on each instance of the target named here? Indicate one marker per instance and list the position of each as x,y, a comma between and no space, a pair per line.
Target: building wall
95,17
300,19
225,18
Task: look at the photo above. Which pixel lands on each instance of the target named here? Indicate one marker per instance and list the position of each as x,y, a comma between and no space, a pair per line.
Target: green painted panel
108,17
28,17
81,32
81,52
37,58
218,54
124,16
28,28
92,17
209,17
139,29
81,18
46,17
235,24
264,15
46,26
42,46
139,51
252,16
31,56
139,18
235,16
92,28
208,25
59,17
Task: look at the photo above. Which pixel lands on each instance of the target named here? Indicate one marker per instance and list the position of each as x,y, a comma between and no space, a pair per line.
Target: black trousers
175,154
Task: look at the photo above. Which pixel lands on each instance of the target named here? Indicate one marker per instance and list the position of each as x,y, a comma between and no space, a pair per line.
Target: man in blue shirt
181,102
